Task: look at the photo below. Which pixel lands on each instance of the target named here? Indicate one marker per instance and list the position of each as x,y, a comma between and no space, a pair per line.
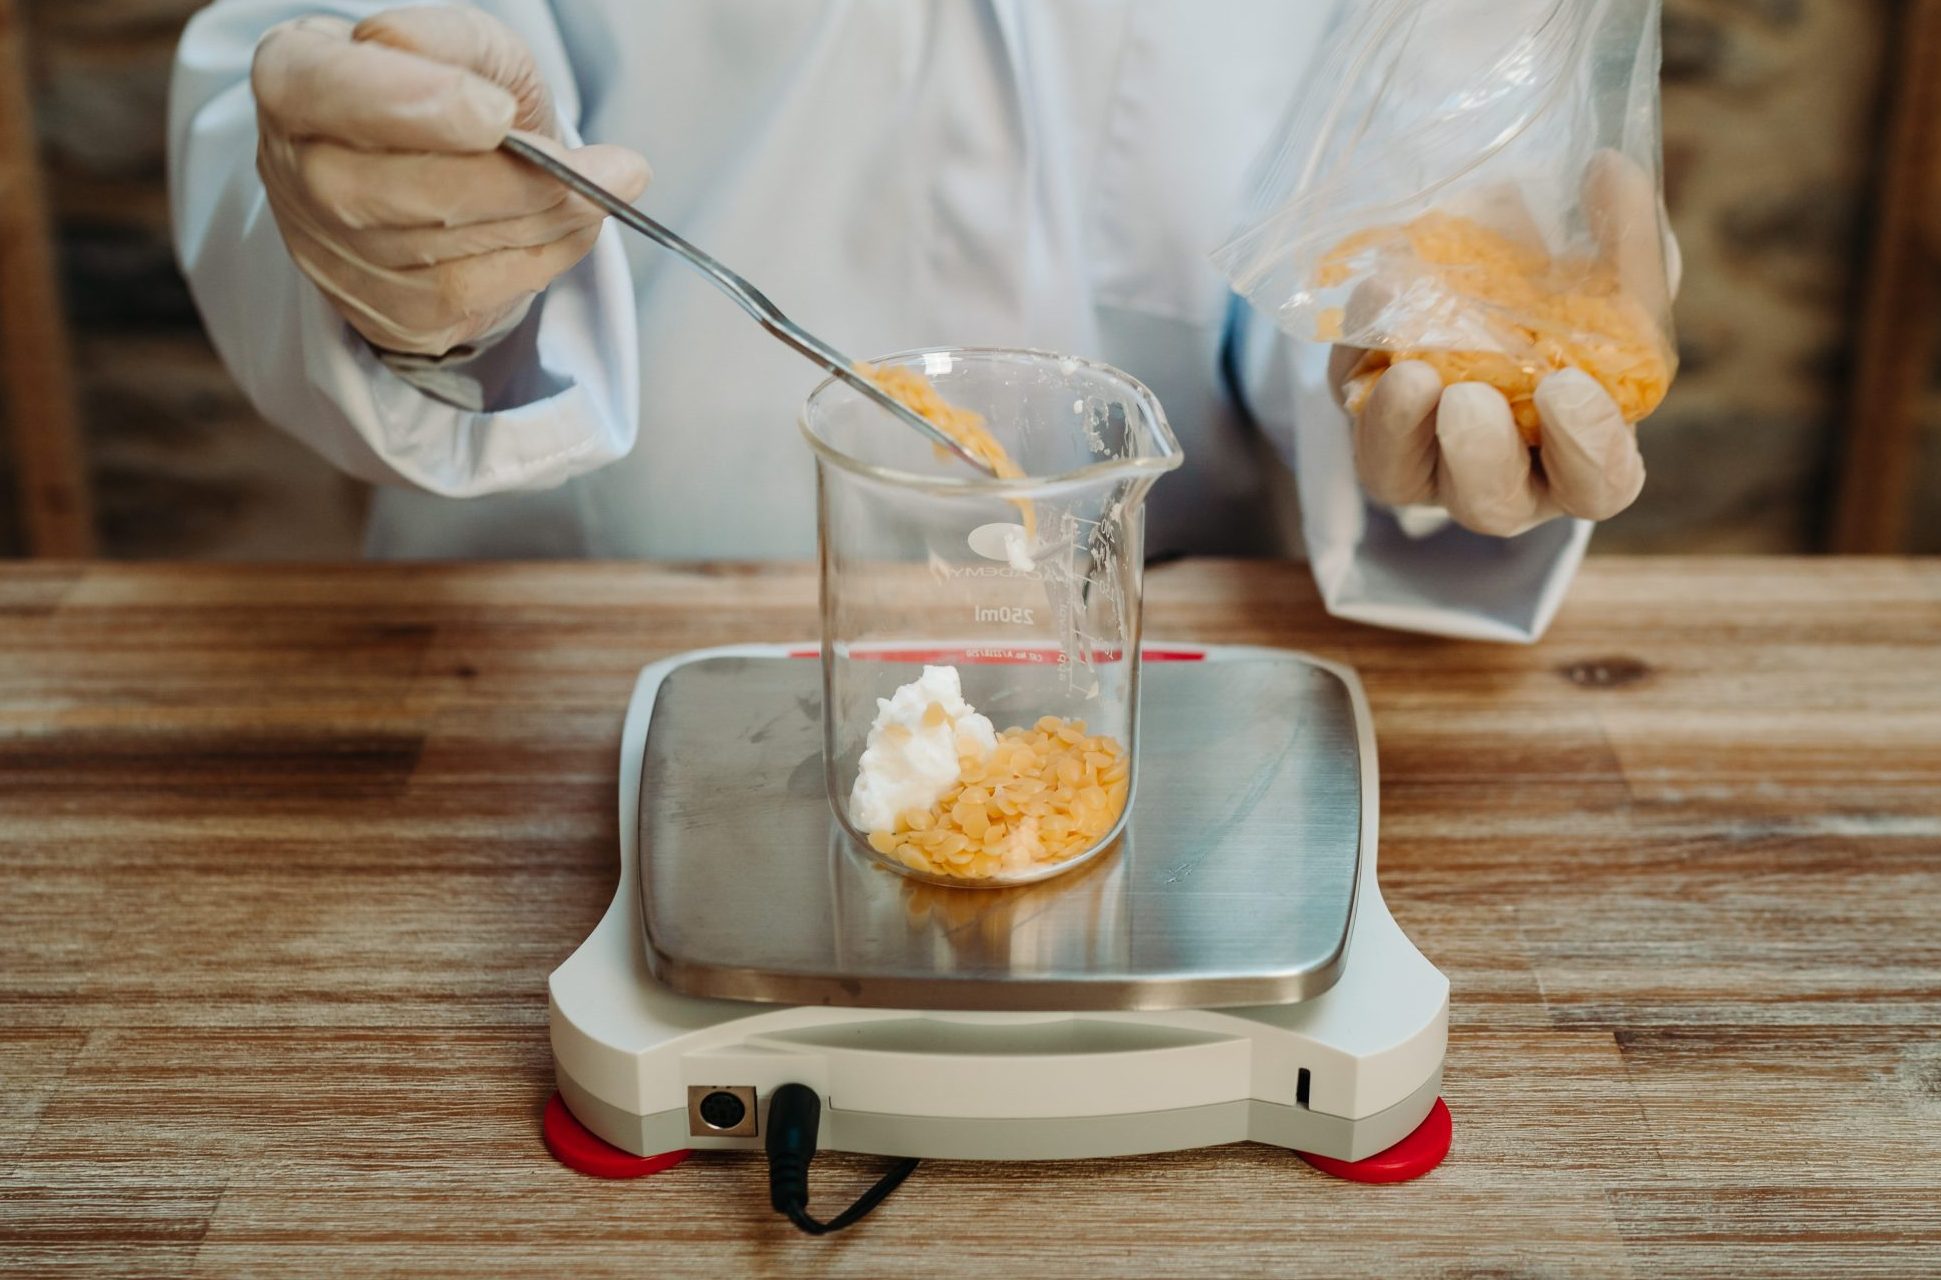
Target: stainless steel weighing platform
1233,885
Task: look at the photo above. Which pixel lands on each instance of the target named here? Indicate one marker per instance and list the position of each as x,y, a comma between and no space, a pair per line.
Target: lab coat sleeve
1373,565
570,405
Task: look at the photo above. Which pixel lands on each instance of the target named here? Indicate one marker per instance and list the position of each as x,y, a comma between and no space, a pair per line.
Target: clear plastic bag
1474,183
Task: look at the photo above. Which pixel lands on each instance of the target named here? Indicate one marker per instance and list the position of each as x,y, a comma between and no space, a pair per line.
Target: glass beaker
1026,590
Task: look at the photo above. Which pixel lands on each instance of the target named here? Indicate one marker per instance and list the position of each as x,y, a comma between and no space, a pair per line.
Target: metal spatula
746,295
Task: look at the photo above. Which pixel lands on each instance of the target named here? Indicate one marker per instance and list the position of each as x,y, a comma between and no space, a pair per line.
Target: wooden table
286,856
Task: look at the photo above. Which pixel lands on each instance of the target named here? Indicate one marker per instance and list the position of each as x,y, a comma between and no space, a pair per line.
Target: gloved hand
377,150
1419,443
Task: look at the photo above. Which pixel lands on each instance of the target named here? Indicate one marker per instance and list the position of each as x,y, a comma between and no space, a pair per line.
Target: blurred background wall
1774,124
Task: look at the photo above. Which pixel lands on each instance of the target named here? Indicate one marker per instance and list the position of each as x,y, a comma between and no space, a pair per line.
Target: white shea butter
911,757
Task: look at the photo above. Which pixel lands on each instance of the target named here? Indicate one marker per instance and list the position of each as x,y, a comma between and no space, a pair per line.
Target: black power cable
794,1115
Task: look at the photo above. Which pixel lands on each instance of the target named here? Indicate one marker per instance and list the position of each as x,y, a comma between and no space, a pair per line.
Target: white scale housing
1230,973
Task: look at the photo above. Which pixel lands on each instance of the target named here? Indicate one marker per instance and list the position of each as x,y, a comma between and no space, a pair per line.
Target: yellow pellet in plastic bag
1546,314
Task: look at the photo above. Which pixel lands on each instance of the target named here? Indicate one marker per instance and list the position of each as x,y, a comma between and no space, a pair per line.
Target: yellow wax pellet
1546,314
1043,795
914,392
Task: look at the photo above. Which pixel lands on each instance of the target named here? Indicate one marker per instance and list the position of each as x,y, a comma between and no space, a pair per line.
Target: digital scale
1228,973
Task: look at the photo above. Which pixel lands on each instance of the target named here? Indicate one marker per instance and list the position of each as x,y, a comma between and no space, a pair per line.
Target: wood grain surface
287,854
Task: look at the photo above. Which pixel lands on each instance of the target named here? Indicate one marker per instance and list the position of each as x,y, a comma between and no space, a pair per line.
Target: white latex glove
1419,444
377,151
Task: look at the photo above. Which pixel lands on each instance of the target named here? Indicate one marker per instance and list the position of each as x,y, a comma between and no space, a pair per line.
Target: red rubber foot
1410,1158
577,1147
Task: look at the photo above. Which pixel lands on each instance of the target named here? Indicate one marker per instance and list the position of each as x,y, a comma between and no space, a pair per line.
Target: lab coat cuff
586,416
466,375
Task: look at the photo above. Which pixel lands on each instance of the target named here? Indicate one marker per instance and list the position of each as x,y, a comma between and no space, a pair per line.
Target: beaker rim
1156,428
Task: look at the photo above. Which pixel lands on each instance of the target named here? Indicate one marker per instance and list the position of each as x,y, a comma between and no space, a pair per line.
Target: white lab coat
895,174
